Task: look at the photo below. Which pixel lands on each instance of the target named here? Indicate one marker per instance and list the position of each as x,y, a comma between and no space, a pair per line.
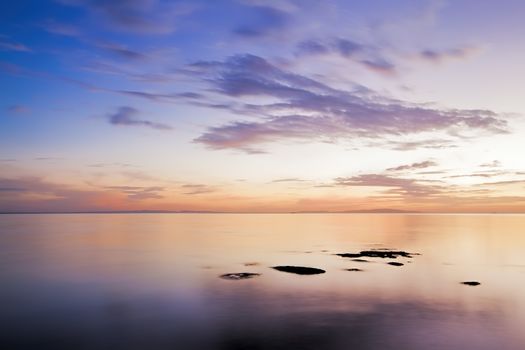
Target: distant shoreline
228,212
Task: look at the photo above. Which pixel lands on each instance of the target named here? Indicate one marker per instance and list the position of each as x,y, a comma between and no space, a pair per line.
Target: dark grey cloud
127,116
262,21
306,109
414,166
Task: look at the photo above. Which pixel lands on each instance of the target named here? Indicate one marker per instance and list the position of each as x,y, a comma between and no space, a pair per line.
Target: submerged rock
354,269
239,276
471,283
383,253
395,263
299,270
360,260
251,264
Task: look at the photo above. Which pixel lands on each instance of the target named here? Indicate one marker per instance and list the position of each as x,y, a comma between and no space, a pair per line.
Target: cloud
121,51
139,16
138,193
380,66
18,109
289,179
127,116
367,56
436,56
396,186
35,194
262,21
412,145
8,45
64,29
306,109
414,166
493,164
192,189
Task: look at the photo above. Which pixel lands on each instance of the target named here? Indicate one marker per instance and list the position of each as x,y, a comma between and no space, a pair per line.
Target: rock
471,283
354,269
395,263
239,276
251,264
299,270
391,254
360,260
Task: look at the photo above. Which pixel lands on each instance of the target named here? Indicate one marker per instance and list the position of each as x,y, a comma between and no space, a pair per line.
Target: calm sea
151,281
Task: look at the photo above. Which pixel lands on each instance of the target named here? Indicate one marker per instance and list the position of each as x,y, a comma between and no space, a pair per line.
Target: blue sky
254,105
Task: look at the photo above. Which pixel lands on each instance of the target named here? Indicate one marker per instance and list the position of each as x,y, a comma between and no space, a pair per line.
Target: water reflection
139,282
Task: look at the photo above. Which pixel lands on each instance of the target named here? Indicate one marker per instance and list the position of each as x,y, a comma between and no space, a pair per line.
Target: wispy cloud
139,192
393,185
60,28
262,21
367,56
414,166
306,109
127,116
121,51
193,189
9,45
288,179
18,109
140,16
493,164
439,56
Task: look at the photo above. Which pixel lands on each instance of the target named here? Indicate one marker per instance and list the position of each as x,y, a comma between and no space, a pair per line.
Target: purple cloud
141,16
121,51
306,109
262,21
127,116
18,109
436,56
8,45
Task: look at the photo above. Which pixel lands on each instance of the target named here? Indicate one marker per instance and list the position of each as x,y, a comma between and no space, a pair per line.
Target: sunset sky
262,106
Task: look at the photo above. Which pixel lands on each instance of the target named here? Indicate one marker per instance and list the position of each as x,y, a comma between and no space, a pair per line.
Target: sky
262,106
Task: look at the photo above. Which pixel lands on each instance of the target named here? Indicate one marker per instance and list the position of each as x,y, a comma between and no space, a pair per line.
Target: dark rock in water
471,283
350,255
300,270
354,269
394,263
360,260
239,276
391,254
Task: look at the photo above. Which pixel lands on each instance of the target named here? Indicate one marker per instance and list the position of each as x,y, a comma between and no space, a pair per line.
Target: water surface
151,281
